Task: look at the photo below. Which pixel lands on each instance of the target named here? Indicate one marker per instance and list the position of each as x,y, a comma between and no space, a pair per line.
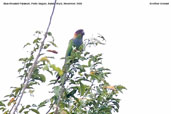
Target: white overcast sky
138,48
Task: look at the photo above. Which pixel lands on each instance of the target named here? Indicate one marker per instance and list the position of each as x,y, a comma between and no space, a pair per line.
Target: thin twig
16,100
50,108
17,95
59,96
88,90
36,60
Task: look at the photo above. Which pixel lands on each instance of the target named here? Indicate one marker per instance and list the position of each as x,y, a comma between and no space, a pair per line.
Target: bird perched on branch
76,41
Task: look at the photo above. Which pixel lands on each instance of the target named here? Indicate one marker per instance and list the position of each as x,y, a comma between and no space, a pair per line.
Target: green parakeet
76,41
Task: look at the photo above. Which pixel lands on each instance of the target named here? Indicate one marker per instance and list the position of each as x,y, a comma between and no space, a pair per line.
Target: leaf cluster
86,88
83,91
7,105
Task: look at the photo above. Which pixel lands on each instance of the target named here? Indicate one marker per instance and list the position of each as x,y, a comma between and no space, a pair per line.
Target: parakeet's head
79,33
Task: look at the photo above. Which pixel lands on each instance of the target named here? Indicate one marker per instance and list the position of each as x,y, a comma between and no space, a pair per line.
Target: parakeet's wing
68,53
69,49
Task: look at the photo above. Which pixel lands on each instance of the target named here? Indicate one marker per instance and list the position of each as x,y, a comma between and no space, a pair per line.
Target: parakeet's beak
83,33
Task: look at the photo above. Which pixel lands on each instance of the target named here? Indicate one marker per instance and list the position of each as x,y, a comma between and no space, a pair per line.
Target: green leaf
36,40
33,83
99,55
64,112
57,69
31,58
106,73
93,76
72,81
76,99
42,77
34,105
26,112
28,106
71,93
35,111
46,46
52,82
26,45
45,59
3,109
20,69
53,43
81,68
120,88
6,112
89,62
2,104
28,65
86,53
38,32
82,89
46,67
49,33
37,76
116,104
42,104
16,90
105,109
23,59
56,91
21,109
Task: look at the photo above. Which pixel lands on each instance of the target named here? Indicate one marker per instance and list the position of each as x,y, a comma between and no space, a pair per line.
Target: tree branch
36,60
60,93
63,80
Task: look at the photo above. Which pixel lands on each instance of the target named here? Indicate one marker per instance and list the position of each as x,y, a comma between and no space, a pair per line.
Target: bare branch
35,61
50,108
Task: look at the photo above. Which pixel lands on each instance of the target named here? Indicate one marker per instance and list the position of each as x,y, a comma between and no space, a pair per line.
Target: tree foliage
81,89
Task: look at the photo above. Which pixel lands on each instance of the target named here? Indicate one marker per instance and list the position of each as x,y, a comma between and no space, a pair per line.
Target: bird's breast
77,42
